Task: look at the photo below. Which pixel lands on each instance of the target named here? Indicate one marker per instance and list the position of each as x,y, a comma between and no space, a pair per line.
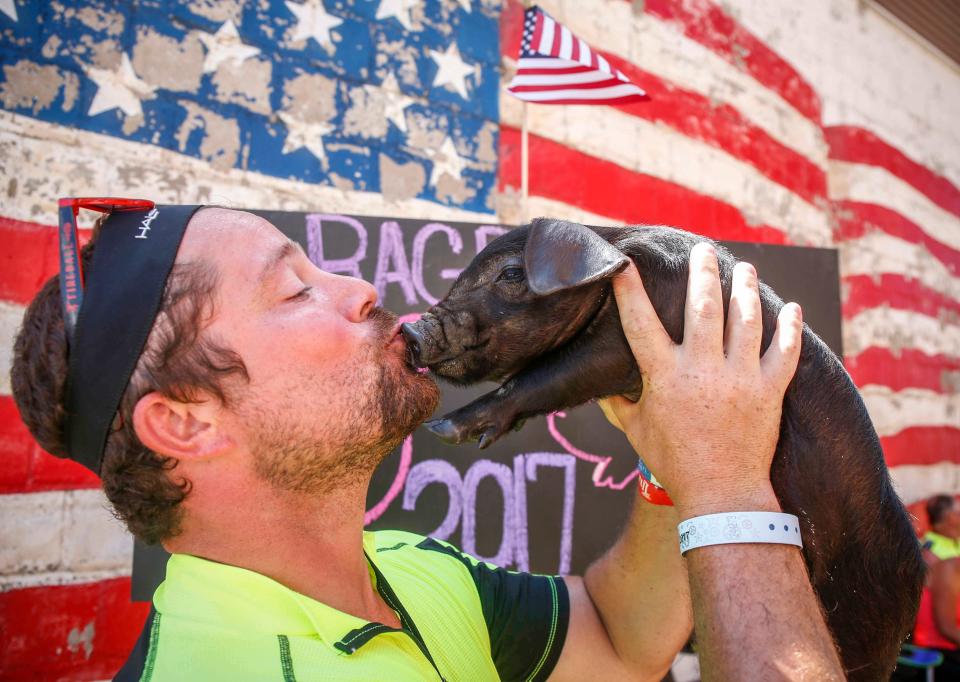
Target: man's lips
396,340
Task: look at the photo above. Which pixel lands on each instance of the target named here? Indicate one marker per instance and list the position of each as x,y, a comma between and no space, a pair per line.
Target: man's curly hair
179,361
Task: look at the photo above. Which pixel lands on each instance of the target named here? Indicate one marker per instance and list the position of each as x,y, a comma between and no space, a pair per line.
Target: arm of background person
945,592
630,614
707,425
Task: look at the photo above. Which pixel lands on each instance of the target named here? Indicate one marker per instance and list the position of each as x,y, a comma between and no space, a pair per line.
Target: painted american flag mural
397,107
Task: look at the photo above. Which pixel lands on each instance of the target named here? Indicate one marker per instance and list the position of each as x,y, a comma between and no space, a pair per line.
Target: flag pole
524,167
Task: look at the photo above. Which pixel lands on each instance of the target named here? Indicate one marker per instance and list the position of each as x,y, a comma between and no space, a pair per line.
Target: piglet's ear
560,255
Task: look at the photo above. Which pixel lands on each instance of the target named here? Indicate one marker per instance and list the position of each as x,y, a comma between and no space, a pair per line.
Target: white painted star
452,71
313,22
225,45
398,9
445,160
121,89
8,8
395,102
465,4
301,134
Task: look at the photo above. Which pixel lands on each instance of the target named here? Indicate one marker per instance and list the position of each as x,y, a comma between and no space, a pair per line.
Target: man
938,620
267,392
944,513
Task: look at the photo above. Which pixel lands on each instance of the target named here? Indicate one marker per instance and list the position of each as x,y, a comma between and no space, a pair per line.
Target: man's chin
408,398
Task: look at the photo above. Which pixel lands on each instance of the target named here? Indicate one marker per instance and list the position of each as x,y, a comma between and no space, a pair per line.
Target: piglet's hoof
445,430
459,427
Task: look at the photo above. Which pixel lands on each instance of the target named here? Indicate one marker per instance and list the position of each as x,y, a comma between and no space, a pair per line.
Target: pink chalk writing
600,462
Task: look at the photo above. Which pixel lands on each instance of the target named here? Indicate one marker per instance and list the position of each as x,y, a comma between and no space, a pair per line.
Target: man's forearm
640,590
757,616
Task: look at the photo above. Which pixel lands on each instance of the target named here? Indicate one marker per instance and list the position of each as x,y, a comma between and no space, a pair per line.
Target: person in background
944,513
938,620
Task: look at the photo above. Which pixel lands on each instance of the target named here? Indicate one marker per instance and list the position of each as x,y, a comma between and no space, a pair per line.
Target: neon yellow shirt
462,620
943,547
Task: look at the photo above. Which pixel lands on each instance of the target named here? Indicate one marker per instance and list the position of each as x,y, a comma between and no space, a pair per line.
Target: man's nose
356,297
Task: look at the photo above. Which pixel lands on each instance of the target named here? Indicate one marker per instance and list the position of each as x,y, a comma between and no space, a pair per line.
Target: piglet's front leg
597,363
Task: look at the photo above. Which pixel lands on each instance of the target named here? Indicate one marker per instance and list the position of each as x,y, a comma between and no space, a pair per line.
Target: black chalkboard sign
549,498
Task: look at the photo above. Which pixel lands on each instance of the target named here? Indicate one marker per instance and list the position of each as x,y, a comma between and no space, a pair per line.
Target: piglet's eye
511,275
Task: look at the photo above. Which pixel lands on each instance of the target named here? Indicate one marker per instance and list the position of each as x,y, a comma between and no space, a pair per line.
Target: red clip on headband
109,313
71,271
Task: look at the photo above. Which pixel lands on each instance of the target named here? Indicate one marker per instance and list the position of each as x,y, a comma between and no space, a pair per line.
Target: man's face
330,391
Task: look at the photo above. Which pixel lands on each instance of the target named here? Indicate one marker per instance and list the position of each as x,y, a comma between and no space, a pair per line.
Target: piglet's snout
415,343
426,340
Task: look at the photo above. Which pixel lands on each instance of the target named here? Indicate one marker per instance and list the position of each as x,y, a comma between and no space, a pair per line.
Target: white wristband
737,527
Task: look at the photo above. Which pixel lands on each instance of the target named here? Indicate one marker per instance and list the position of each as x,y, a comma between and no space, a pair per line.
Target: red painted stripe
27,468
857,145
709,25
908,368
28,258
922,445
37,624
607,189
575,49
862,292
724,127
855,219
698,117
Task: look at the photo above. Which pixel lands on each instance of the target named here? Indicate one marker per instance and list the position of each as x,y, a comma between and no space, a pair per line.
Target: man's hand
707,425
708,420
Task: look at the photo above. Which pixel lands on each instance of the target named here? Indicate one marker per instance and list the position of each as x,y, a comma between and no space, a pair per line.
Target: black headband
134,254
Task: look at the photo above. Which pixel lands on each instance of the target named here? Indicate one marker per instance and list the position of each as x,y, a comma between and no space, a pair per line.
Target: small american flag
557,67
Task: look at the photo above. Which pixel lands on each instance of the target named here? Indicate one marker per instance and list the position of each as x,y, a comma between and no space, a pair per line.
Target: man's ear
181,430
560,255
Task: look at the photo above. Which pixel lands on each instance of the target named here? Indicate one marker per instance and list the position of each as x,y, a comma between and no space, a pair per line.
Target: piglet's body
535,311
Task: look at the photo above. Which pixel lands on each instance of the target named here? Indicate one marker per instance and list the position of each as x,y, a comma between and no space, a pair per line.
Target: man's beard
386,400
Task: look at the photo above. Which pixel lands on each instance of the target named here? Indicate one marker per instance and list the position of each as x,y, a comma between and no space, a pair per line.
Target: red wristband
648,489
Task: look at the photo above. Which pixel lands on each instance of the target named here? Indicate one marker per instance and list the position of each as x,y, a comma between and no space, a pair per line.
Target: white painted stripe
560,78
610,92
893,411
875,185
604,64
510,211
655,149
915,482
566,43
869,73
11,315
878,253
546,35
46,535
896,330
109,166
661,48
59,578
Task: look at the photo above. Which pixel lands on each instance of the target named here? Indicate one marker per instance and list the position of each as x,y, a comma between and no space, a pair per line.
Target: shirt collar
937,537
243,601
